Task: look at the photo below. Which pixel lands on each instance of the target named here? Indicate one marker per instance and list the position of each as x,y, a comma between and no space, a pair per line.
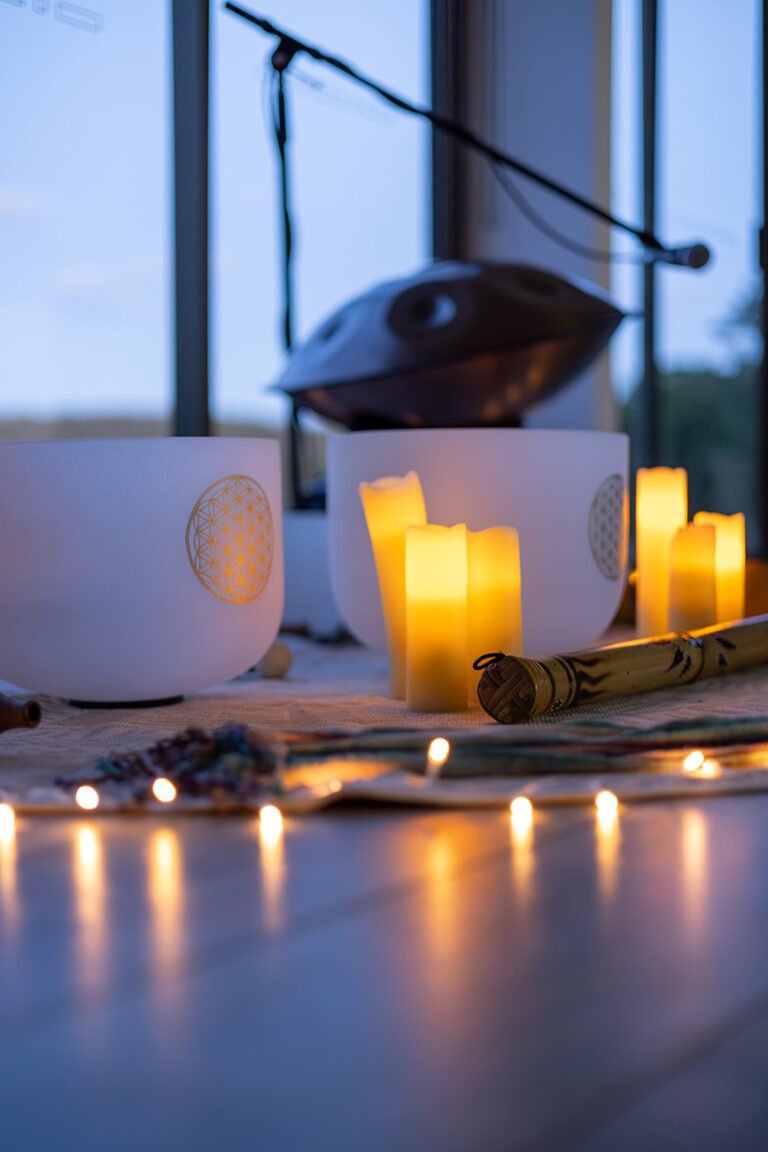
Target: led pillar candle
391,505
730,562
493,597
661,508
436,618
692,585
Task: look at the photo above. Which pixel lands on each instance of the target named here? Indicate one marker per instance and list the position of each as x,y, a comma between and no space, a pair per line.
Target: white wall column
538,85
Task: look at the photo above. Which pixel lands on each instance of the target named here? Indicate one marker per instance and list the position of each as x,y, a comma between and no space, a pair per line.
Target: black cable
526,208
290,46
280,126
508,187
281,59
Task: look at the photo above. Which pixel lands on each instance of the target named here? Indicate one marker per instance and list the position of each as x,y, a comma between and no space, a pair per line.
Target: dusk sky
85,183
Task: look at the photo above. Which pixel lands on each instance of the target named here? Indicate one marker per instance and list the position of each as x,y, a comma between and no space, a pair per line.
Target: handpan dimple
230,539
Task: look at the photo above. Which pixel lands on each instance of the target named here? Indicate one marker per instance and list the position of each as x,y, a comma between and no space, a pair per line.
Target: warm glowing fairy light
87,797
164,790
270,823
693,761
607,803
709,768
438,751
521,813
7,822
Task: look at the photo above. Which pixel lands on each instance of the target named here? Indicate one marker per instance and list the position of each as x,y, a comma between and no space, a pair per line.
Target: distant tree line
709,421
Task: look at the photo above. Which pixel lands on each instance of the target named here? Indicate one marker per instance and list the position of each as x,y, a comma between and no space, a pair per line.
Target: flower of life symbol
607,527
229,539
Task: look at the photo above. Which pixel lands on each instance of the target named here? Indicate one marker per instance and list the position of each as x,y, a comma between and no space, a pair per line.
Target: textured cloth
334,699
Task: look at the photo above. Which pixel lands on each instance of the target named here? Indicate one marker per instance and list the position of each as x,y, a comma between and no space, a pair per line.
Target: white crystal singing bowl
565,493
137,570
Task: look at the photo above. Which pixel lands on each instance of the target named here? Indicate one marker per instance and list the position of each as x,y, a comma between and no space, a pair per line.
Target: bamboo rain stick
513,689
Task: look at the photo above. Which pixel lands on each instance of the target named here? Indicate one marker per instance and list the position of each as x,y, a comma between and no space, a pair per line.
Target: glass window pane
85,227
359,180
709,344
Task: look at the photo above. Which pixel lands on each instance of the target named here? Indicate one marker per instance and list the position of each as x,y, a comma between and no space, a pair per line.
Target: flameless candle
730,562
662,508
692,588
436,618
392,505
493,596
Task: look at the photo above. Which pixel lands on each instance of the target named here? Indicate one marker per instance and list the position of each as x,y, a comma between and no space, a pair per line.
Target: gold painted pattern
230,539
608,527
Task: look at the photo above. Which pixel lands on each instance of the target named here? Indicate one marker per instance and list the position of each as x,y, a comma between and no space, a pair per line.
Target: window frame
191,42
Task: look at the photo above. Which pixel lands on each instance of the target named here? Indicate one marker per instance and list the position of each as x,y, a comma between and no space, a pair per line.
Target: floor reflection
695,852
272,871
166,902
608,851
444,942
521,836
9,908
90,906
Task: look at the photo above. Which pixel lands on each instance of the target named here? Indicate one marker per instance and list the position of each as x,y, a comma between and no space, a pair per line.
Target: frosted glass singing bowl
565,493
138,570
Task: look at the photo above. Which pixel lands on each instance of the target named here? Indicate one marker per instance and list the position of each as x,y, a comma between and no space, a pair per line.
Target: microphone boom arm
467,137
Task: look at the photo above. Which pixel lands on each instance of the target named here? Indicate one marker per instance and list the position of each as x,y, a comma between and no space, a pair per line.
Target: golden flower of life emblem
608,527
229,539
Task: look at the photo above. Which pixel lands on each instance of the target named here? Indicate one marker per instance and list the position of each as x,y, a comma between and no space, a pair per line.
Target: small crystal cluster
230,763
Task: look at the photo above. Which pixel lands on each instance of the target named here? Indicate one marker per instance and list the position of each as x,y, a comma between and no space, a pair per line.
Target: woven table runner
345,739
